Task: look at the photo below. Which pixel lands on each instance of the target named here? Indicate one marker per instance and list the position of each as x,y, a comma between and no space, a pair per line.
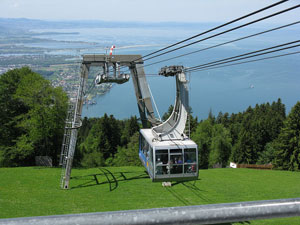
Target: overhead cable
248,61
224,43
215,28
226,31
238,59
210,30
245,54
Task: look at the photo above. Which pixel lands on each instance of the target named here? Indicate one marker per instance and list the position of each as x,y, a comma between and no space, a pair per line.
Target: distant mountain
25,24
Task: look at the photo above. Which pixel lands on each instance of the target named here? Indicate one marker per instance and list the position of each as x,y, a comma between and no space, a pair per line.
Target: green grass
35,191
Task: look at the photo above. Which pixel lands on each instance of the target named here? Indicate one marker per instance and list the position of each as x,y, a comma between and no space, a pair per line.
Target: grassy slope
36,192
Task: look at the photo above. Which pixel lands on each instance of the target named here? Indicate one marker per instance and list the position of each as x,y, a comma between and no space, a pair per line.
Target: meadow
35,191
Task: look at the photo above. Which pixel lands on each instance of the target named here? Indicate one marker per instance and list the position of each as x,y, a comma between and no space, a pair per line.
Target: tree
255,128
267,156
10,109
38,124
131,126
211,116
223,119
193,123
202,136
103,140
242,151
83,133
44,122
287,145
93,159
214,144
128,156
220,149
235,125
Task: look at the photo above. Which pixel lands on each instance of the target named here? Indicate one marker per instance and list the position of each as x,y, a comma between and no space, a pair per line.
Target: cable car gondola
173,160
165,150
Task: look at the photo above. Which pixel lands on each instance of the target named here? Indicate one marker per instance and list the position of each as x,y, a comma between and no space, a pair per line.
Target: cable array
249,61
215,28
167,49
245,56
210,30
225,43
226,31
162,51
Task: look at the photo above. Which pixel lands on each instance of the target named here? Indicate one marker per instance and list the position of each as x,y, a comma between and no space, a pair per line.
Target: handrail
199,214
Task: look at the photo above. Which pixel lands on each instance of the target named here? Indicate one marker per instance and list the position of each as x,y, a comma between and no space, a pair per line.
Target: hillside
34,191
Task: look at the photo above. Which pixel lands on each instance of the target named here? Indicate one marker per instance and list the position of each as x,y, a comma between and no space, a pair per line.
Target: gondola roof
150,138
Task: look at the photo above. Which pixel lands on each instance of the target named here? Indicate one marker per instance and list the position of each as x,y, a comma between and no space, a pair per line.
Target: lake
229,89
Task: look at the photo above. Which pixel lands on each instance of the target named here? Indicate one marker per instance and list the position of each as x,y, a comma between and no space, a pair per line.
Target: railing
202,214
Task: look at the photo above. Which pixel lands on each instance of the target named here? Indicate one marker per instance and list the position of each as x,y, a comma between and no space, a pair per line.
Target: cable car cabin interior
172,160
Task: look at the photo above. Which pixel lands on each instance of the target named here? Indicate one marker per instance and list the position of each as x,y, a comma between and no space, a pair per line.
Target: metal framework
200,214
174,127
73,121
170,130
138,77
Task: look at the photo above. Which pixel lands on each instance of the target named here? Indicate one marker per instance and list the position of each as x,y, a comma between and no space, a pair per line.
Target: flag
111,49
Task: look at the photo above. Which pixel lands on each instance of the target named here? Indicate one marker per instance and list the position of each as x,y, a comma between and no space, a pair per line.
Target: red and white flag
111,49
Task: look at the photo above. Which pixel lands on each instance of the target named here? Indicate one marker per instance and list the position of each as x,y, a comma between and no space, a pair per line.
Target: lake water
225,89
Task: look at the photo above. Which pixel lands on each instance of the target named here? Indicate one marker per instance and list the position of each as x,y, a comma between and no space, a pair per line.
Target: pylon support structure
104,62
73,123
174,127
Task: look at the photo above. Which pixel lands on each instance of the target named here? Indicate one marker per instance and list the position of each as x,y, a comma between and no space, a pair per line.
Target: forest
32,116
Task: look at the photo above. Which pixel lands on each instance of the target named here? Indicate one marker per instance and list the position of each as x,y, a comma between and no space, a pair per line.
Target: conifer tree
220,146
287,145
128,156
202,136
102,141
130,127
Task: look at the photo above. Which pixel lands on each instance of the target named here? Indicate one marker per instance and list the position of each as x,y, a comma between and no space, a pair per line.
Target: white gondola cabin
172,160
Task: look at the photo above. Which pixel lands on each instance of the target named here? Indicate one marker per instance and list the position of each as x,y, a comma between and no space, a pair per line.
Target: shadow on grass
191,185
112,179
196,191
178,196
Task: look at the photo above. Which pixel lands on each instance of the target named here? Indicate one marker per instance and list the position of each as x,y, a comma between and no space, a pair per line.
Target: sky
141,10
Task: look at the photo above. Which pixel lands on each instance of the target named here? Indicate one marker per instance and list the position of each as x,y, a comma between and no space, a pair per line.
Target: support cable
215,28
240,57
154,103
224,43
226,31
249,61
210,30
235,28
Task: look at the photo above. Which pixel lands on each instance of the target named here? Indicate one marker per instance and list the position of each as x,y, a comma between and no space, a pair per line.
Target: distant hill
23,23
